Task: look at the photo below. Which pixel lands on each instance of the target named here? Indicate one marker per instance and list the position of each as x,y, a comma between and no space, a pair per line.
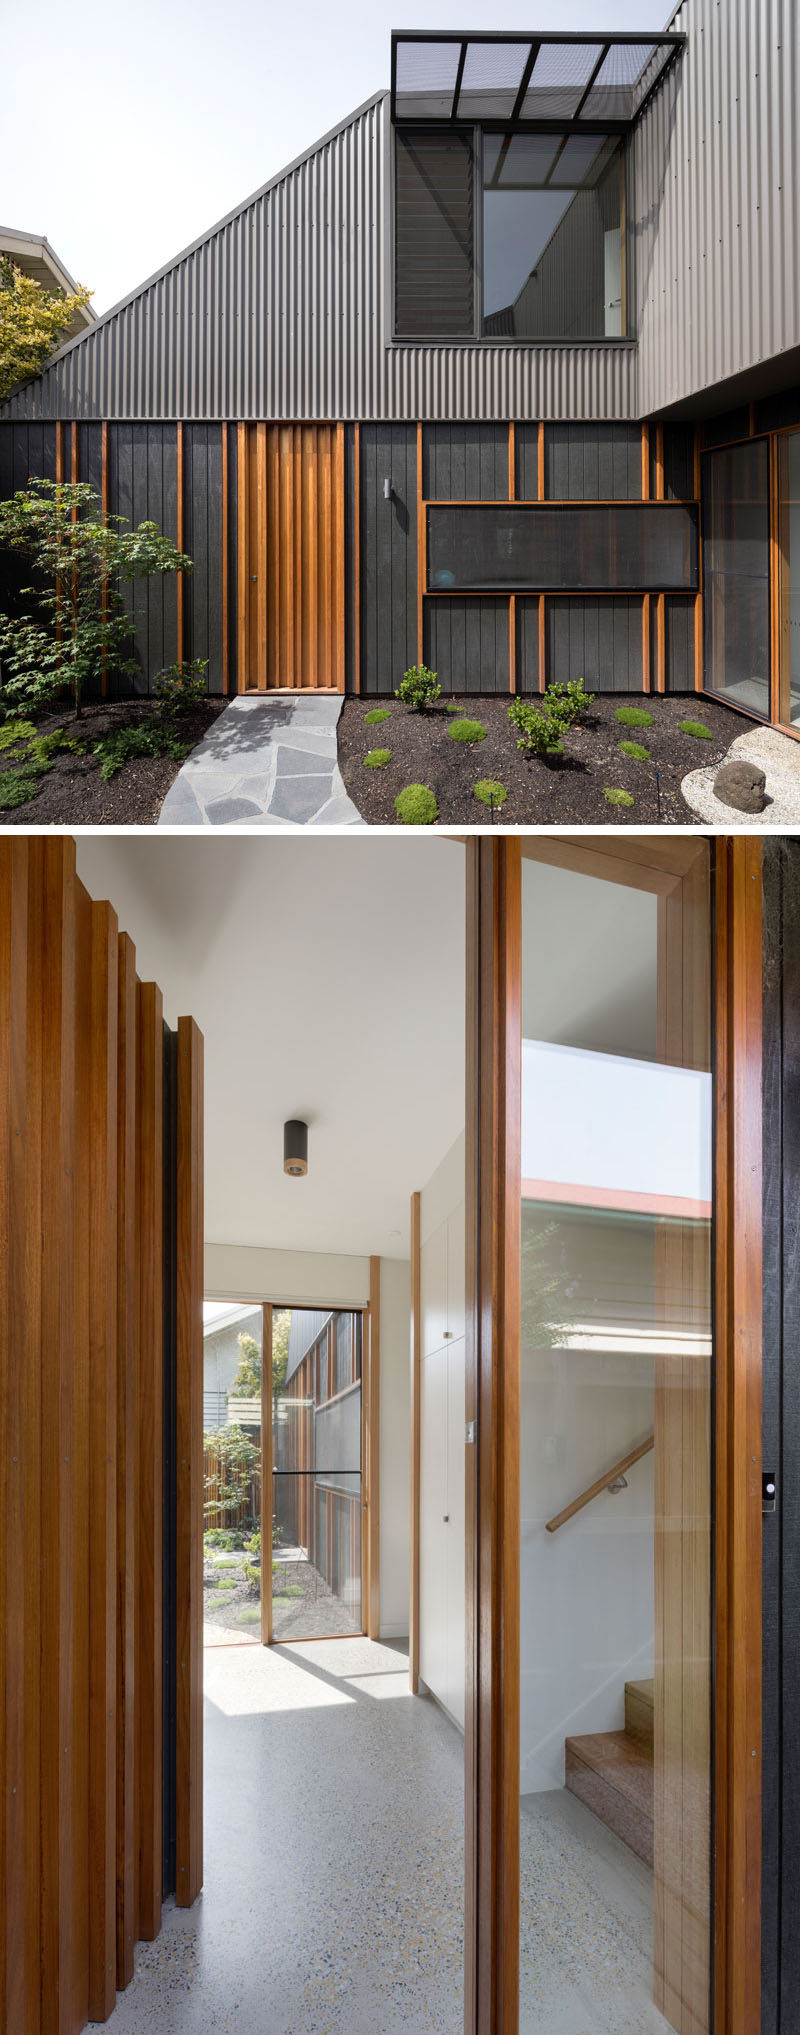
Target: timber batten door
291,557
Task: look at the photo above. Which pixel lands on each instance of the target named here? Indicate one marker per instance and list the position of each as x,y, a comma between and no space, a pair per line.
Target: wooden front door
290,493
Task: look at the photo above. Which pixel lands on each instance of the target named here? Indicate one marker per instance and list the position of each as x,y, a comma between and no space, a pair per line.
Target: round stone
741,784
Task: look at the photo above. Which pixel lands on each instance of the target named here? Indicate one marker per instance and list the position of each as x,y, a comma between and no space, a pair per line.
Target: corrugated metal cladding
717,200
283,312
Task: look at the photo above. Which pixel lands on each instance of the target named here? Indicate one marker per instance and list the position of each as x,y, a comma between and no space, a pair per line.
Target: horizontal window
547,546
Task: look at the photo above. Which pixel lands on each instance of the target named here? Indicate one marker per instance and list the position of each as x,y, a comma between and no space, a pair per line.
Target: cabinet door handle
445,1518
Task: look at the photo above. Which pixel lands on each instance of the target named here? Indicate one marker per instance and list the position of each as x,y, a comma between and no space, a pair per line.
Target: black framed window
544,547
736,613
553,220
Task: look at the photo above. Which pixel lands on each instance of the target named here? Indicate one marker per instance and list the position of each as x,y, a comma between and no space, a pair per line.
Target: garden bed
570,792
72,791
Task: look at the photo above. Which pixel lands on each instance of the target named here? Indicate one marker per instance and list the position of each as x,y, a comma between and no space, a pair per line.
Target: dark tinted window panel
593,462
547,547
599,641
728,425
527,640
465,462
678,644
467,643
434,275
736,573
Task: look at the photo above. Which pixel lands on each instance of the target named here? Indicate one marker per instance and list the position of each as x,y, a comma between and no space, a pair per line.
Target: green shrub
15,731
145,738
251,1615
282,1596
227,1537
636,750
466,731
696,728
419,689
376,715
16,787
252,1572
566,703
214,1599
617,798
453,707
634,717
376,759
540,733
183,687
489,792
226,1583
416,806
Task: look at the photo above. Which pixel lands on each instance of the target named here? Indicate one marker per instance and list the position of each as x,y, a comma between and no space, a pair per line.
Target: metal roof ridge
103,317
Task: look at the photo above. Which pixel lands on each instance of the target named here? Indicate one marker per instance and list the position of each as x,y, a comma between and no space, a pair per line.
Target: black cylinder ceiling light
295,1147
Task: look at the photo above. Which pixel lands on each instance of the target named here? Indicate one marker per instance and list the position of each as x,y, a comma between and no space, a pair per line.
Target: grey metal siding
717,200
283,311
598,640
602,463
465,462
388,618
466,642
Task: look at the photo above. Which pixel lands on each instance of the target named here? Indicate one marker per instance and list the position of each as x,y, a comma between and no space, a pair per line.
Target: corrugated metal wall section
717,182
282,312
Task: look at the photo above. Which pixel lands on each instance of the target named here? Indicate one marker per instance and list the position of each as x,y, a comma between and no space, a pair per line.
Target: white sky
128,130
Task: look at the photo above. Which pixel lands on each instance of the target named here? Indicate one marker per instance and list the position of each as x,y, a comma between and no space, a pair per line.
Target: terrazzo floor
333,1889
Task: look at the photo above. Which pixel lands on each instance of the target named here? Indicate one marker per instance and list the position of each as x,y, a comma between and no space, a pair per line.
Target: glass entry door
314,1577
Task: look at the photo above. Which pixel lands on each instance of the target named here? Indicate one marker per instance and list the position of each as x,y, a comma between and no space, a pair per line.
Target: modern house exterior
33,254
502,375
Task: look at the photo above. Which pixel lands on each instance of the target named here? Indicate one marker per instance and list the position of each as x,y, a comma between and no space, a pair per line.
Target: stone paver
265,762
779,757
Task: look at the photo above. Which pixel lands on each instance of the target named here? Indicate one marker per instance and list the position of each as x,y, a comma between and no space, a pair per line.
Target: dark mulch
73,793
569,793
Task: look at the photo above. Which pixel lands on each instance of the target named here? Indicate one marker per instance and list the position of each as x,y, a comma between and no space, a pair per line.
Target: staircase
612,1772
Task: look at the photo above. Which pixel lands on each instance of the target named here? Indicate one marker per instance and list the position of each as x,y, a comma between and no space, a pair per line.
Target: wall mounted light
295,1147
387,489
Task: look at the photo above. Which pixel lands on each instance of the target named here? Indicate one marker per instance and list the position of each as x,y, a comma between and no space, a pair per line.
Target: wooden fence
218,1473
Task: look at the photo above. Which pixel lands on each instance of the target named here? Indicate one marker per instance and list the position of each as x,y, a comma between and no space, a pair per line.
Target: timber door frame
369,1313
494,1033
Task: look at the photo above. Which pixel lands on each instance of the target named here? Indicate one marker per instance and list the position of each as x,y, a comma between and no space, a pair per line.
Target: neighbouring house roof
304,1328
32,253
228,1317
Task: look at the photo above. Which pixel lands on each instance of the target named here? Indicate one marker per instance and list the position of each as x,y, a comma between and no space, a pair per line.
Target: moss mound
16,787
375,759
376,715
617,798
634,717
489,792
636,750
696,728
453,707
467,731
416,806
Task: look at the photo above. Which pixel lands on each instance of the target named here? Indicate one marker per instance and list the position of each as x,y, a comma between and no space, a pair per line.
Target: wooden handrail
602,1484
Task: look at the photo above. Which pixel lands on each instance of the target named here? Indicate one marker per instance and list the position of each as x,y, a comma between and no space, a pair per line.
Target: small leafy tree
32,321
247,1382
419,688
78,626
229,1486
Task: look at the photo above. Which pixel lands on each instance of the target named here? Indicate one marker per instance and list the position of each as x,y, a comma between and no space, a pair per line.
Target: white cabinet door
456,1546
433,1505
433,1290
456,1273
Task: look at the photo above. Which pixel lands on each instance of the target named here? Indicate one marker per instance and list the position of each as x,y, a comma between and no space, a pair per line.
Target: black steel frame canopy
599,86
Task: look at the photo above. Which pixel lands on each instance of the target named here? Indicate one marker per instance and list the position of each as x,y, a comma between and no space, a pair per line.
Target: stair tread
620,1761
644,1691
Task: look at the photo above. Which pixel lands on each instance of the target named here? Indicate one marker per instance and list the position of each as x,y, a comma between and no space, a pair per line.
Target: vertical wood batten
242,560
149,1592
416,1425
16,1591
420,548
102,1462
82,1402
698,600
104,498
179,541
372,1622
225,564
127,1327
189,1436
266,1474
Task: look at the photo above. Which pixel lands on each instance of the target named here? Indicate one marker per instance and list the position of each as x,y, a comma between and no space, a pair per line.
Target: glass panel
789,708
316,1485
232,1472
736,573
646,546
552,237
615,1695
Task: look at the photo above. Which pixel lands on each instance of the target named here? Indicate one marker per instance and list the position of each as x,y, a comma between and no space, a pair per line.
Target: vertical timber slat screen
82,1206
291,558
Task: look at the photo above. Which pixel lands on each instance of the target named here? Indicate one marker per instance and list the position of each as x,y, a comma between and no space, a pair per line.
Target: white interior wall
442,1374
313,1279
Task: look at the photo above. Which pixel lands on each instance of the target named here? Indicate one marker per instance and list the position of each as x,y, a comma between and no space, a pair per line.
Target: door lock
769,1486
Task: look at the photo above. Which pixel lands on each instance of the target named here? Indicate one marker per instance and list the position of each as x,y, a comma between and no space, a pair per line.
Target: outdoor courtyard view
312,1589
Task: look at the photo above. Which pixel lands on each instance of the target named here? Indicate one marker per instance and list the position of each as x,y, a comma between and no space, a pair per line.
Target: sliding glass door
314,1575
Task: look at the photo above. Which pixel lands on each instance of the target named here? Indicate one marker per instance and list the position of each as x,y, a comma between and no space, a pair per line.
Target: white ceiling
328,979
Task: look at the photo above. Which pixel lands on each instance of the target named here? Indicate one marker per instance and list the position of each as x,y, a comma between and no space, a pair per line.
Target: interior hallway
333,1894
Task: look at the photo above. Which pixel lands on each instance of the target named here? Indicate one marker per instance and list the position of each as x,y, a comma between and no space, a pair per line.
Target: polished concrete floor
333,1889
